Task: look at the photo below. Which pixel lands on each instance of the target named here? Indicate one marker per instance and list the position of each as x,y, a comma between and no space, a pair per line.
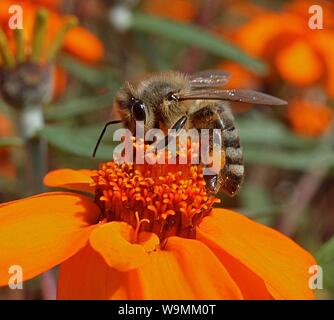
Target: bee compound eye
172,96
139,110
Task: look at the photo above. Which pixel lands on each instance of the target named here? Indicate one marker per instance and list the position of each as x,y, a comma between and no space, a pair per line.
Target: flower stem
37,149
5,53
305,190
18,33
69,23
39,35
32,121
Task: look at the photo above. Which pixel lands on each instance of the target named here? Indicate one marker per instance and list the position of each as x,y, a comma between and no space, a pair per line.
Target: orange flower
7,169
148,232
308,118
298,54
83,44
91,48
181,10
53,4
60,82
301,8
240,76
78,41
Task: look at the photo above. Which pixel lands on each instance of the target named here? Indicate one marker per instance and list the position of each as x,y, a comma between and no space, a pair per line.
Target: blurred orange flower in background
298,54
150,233
91,48
241,77
309,118
83,44
78,41
181,10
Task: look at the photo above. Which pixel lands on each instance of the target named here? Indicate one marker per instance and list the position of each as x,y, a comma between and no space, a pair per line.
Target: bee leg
179,124
219,116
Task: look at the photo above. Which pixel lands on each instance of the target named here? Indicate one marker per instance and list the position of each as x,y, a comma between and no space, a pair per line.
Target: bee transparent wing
239,95
208,78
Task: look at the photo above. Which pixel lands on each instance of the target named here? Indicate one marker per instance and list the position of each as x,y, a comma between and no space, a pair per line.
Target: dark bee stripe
231,138
233,156
225,122
233,172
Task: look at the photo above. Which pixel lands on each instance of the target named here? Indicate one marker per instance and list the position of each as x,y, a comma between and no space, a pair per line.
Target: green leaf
268,142
11,142
287,159
325,258
5,109
79,106
326,252
74,141
328,273
192,35
270,132
94,76
254,196
257,202
153,53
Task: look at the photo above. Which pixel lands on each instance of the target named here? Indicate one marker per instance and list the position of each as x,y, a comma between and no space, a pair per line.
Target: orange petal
7,168
301,8
84,45
40,232
240,76
60,82
4,14
86,276
78,180
52,4
251,285
113,242
259,33
308,118
185,269
323,42
299,64
6,126
181,10
279,261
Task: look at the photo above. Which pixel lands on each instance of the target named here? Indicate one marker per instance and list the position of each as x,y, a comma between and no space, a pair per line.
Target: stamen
20,57
6,54
171,198
69,23
139,222
39,35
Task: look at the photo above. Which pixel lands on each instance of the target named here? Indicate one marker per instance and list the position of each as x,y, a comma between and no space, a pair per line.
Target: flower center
167,199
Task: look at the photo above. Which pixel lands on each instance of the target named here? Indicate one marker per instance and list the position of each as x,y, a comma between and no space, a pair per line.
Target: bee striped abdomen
218,116
233,172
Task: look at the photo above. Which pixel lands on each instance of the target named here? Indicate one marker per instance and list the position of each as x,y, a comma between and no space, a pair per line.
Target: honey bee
174,100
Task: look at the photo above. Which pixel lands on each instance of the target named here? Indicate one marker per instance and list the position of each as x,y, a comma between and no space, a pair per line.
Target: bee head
155,101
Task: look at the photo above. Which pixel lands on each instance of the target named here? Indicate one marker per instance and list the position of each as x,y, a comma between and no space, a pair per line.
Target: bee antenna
102,134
